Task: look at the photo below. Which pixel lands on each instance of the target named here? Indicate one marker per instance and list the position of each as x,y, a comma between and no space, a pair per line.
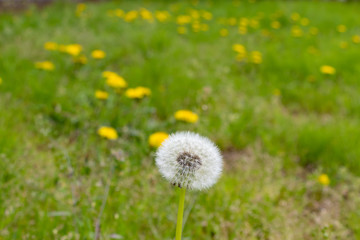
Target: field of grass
252,71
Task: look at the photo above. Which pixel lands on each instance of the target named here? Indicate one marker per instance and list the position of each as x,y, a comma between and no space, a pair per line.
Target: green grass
56,170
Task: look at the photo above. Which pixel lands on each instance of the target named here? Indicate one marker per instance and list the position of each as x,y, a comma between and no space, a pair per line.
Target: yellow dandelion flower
107,74
239,48
108,133
119,12
295,17
102,95
304,21
181,30
356,39
98,54
186,116
207,15
195,14
326,69
296,31
80,8
224,32
162,16
138,92
254,23
45,65
275,24
71,49
324,179
256,57
51,46
131,16
196,26
244,22
183,19
157,138
146,15
114,80
242,30
341,28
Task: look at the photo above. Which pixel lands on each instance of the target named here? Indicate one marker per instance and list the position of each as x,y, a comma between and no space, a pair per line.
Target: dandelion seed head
188,160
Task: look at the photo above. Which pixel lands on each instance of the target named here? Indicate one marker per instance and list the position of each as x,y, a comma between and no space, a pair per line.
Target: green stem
180,214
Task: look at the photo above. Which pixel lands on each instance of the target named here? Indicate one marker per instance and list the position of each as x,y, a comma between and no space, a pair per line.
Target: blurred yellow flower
239,48
80,8
107,74
162,16
98,54
146,15
275,24
102,95
304,21
326,69
45,65
71,49
138,92
256,57
341,28
296,31
80,59
186,116
196,26
295,17
242,30
114,80
108,132
244,22
119,12
356,39
224,32
254,23
195,14
131,16
51,46
181,30
157,138
1,80
183,19
241,51
324,179
207,15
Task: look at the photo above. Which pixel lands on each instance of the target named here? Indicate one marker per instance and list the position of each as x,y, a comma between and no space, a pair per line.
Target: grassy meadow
274,83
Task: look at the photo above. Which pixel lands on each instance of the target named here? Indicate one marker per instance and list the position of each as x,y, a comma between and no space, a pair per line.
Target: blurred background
89,90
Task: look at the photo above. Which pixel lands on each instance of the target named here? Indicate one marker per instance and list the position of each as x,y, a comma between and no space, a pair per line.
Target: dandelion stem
179,224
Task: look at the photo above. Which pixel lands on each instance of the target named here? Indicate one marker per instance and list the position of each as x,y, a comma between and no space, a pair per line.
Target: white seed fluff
189,160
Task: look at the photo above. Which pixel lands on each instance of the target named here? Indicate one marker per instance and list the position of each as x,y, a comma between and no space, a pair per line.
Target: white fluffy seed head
189,160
